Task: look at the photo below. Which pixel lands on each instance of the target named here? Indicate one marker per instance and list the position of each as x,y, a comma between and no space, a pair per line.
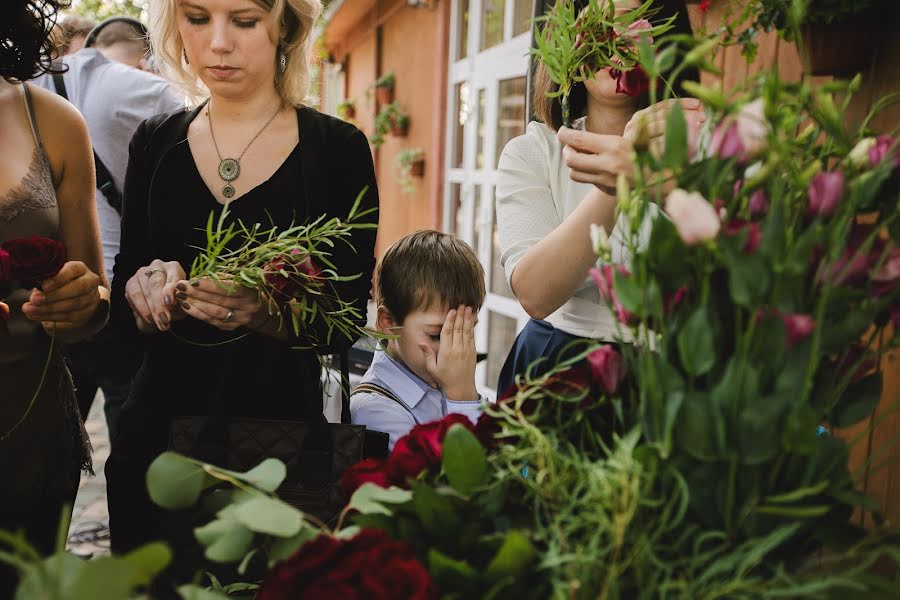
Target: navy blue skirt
538,340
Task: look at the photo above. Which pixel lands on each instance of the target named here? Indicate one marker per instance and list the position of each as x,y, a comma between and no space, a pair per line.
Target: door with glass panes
489,42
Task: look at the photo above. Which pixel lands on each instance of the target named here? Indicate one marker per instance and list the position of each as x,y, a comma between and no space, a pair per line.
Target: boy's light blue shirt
426,403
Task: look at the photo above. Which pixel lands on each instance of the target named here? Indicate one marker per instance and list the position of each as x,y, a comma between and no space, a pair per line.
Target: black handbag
316,453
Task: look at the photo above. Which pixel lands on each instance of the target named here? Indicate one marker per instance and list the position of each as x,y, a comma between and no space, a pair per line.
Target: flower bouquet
290,268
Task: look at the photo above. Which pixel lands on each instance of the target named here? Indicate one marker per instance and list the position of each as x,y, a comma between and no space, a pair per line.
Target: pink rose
799,327
743,136
880,149
607,367
633,33
694,217
825,192
759,204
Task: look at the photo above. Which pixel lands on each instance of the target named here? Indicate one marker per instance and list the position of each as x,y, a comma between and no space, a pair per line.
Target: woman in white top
554,183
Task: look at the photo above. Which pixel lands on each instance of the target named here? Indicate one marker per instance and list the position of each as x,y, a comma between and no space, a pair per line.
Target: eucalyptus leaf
464,460
148,561
105,578
267,475
175,481
371,498
438,515
269,515
63,568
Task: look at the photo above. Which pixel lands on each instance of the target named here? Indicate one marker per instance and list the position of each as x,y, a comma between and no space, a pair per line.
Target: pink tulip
607,367
694,217
759,204
825,192
799,327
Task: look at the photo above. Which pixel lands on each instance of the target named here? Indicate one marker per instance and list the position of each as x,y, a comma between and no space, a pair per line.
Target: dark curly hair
26,47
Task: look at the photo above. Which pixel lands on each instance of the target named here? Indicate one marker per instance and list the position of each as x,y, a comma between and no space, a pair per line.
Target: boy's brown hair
428,267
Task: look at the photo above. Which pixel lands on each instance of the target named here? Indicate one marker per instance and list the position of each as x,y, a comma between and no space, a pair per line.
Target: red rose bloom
422,448
632,82
607,367
370,470
289,276
370,565
34,259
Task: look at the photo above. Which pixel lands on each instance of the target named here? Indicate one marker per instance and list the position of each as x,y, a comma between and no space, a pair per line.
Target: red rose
370,565
607,367
422,448
486,429
5,267
34,259
370,470
632,82
289,276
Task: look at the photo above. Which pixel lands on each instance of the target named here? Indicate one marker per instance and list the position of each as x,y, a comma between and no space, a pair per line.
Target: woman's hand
596,158
68,300
151,294
647,128
224,305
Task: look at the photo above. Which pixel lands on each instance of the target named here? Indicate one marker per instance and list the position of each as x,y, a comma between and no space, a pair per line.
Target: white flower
694,217
859,156
599,240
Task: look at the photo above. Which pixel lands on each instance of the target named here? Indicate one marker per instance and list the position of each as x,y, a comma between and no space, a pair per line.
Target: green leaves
373,499
696,343
464,461
513,559
174,481
858,402
269,515
676,151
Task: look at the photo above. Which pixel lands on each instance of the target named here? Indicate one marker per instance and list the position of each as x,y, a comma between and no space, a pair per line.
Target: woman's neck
253,108
608,118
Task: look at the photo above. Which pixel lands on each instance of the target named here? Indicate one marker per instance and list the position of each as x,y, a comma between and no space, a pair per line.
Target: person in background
46,189
107,84
429,289
71,32
553,183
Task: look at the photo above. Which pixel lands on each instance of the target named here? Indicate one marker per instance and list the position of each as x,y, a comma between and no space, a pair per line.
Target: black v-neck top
166,207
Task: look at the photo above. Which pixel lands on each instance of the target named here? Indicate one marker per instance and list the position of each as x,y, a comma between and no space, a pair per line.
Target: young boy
429,288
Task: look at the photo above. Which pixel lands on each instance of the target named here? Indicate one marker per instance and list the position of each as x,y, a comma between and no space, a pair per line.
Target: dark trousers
539,346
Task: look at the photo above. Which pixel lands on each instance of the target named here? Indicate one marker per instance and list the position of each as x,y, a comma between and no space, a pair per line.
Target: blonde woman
251,144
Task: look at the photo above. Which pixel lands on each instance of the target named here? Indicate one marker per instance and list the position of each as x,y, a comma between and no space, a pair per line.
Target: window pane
511,111
461,97
462,42
456,216
492,22
501,336
479,149
476,229
498,277
522,16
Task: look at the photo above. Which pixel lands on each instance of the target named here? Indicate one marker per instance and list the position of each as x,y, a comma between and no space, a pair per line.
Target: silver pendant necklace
230,168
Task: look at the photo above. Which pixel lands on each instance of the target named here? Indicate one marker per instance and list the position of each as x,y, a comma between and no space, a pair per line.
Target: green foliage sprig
298,257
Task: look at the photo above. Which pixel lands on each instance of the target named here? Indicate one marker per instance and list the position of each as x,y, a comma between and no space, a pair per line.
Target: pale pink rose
743,136
694,217
880,149
825,192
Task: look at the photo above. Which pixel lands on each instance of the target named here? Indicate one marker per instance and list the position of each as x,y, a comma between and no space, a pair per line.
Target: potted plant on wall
837,37
346,110
392,119
384,88
409,163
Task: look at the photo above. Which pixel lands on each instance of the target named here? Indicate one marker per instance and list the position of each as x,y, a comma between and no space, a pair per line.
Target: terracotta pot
399,130
348,112
417,168
842,49
384,95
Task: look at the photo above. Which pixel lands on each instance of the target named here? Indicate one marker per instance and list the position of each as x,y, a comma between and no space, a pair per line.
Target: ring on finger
150,272
229,317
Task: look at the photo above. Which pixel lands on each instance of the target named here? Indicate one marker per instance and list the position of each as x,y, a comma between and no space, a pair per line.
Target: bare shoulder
62,128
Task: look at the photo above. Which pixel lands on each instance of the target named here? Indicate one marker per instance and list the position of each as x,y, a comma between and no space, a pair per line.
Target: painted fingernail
185,306
167,300
181,287
181,296
164,319
195,283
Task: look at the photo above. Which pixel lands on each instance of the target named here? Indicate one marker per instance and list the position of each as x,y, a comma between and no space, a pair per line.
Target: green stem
36,392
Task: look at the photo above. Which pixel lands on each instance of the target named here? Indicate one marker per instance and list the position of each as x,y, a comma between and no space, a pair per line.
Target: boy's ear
384,320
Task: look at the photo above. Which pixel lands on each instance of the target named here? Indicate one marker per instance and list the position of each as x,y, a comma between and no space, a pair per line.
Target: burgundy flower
289,276
368,566
603,277
607,367
34,259
880,149
632,82
486,429
422,448
759,204
799,327
754,235
5,267
853,265
370,470
825,192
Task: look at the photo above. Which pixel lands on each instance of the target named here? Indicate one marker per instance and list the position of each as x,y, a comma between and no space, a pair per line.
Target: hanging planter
841,48
346,110
409,164
384,89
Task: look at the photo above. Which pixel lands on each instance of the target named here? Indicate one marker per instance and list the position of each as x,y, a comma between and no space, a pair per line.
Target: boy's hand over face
454,366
